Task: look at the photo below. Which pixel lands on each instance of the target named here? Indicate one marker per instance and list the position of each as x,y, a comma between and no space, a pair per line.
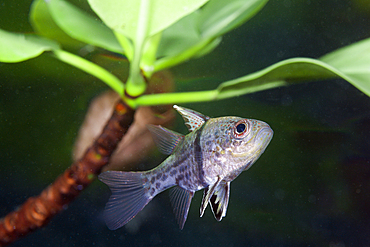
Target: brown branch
137,143
37,211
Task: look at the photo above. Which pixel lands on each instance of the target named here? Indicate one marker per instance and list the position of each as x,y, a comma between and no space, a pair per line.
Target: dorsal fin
165,139
192,118
219,200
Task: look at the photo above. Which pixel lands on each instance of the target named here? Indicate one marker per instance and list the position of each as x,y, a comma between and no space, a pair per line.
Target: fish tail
129,196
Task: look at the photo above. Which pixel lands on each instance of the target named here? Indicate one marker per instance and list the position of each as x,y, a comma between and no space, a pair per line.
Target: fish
213,154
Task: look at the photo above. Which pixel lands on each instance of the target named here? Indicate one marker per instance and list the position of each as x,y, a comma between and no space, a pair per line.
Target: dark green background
310,188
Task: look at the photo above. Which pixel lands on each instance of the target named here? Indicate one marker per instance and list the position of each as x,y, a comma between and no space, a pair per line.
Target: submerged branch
37,211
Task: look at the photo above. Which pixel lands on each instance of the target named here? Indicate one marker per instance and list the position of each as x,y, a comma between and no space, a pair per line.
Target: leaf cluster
157,35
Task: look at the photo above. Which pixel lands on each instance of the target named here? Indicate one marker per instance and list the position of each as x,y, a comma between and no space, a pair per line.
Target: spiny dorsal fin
192,118
165,139
208,192
180,200
219,200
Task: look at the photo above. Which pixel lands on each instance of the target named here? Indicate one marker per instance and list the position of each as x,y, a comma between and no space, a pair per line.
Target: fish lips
264,136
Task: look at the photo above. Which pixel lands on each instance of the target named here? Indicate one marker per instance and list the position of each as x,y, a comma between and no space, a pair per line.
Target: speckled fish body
213,154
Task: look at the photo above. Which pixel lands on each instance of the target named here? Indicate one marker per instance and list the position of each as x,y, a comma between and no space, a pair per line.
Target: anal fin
220,200
180,200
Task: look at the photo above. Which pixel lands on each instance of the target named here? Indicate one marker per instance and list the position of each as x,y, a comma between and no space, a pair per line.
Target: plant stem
149,54
172,98
37,211
91,68
126,45
225,90
135,83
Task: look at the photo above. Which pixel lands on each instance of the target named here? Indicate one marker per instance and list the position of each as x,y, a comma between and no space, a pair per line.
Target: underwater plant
151,41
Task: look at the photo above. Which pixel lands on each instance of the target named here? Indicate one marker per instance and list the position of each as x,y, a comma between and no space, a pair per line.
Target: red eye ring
241,128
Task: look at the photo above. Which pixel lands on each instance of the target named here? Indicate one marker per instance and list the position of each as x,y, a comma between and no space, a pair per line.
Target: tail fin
128,197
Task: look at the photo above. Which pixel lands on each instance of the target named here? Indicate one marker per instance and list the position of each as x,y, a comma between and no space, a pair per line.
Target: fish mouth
264,136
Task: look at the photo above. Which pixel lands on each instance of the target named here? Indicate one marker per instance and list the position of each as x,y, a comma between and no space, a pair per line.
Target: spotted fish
212,155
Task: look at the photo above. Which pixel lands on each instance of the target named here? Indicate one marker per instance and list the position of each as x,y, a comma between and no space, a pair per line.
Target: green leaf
287,72
220,16
290,71
201,47
180,36
43,23
208,48
16,47
123,15
354,64
82,26
182,41
351,63
199,33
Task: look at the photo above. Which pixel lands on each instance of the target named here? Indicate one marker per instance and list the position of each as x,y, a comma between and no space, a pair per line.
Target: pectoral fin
180,200
220,200
192,118
207,194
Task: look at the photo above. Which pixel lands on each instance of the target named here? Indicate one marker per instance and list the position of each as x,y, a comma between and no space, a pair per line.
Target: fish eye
241,128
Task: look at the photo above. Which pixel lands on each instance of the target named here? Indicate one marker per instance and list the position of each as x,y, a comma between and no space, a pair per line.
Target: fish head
235,143
249,138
